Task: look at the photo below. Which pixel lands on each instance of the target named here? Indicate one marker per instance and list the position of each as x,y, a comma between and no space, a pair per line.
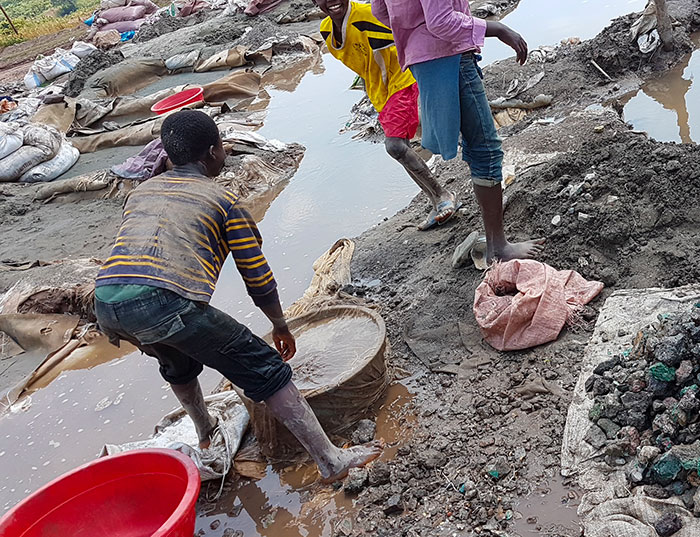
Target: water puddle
543,22
668,108
549,510
291,502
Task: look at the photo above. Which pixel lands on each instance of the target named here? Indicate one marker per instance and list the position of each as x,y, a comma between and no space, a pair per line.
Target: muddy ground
478,410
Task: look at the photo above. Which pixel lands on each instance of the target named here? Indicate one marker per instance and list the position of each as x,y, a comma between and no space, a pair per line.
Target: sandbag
132,135
121,14
108,4
33,79
82,49
64,160
40,145
59,115
525,303
225,59
11,139
59,63
182,61
108,39
128,76
123,26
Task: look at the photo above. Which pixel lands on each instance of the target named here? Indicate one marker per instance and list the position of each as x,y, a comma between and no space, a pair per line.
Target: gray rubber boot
294,412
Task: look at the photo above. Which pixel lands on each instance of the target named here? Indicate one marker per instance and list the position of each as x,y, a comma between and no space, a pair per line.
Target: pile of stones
647,409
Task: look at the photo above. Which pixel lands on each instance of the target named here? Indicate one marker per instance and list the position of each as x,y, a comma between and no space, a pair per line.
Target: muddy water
346,185
549,510
327,350
292,503
543,22
668,108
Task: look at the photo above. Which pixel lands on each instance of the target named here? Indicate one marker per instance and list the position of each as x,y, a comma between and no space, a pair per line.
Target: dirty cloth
256,7
107,39
59,115
132,135
608,506
36,337
226,59
238,85
148,163
176,431
126,77
525,303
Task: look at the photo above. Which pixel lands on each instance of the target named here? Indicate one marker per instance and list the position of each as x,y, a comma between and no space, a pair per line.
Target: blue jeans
481,145
184,336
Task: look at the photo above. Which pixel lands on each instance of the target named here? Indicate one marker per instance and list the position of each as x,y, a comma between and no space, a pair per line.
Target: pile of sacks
32,153
121,16
59,63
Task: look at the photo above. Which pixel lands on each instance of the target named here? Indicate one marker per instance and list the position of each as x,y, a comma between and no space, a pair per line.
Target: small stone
657,492
673,165
431,458
394,505
630,440
663,423
556,220
684,372
696,501
596,437
668,525
378,474
598,129
662,372
364,432
611,199
670,350
637,402
635,474
344,527
583,217
520,454
609,427
607,365
498,470
647,454
356,480
666,469
215,524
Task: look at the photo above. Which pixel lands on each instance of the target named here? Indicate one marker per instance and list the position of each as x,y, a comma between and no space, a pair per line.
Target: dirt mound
88,66
167,24
627,208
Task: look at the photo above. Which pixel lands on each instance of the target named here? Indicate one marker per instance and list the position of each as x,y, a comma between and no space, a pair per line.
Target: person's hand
515,41
284,342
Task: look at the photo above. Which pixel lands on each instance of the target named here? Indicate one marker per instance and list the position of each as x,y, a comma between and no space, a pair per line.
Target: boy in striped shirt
154,290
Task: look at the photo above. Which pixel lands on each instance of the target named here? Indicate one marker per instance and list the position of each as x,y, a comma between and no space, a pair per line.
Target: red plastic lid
180,99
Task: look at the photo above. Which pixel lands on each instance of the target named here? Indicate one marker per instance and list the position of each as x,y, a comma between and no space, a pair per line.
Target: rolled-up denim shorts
481,145
184,336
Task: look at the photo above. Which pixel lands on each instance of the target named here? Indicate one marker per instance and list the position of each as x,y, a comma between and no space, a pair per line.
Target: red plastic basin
177,101
145,493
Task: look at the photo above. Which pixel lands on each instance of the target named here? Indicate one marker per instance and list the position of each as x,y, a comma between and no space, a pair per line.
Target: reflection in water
553,508
292,503
668,108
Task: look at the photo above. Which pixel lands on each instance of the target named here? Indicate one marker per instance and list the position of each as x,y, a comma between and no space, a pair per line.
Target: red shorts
399,117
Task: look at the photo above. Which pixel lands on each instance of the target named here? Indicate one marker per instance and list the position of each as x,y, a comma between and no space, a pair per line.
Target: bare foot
205,440
446,206
517,250
354,457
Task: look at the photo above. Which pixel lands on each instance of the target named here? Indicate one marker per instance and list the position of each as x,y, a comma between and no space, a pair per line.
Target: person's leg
144,321
400,150
216,340
192,400
481,147
293,411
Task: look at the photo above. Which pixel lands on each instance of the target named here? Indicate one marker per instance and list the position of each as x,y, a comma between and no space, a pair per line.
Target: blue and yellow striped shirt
176,233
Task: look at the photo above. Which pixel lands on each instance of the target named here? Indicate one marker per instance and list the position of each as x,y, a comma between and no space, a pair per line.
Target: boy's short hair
188,135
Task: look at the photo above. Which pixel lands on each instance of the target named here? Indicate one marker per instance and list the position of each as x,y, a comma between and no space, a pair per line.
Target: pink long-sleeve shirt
430,29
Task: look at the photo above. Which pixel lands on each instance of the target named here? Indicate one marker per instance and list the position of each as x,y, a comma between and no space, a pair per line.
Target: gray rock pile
647,409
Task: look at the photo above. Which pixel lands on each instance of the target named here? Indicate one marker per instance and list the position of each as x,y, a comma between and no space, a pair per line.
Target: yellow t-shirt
368,49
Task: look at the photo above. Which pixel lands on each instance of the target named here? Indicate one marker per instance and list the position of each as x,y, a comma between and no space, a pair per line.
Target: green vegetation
34,18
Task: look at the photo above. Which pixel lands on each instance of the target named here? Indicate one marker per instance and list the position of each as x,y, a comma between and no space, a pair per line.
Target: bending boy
365,45
154,290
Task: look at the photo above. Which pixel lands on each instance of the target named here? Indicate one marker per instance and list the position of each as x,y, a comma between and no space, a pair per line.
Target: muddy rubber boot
192,400
294,412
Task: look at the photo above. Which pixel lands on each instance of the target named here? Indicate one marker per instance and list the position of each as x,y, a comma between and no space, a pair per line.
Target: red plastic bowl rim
198,92
187,502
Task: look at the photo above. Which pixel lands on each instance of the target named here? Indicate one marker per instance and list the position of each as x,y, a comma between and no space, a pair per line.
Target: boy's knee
396,147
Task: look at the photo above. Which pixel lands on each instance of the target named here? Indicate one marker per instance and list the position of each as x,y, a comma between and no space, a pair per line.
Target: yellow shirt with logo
368,49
